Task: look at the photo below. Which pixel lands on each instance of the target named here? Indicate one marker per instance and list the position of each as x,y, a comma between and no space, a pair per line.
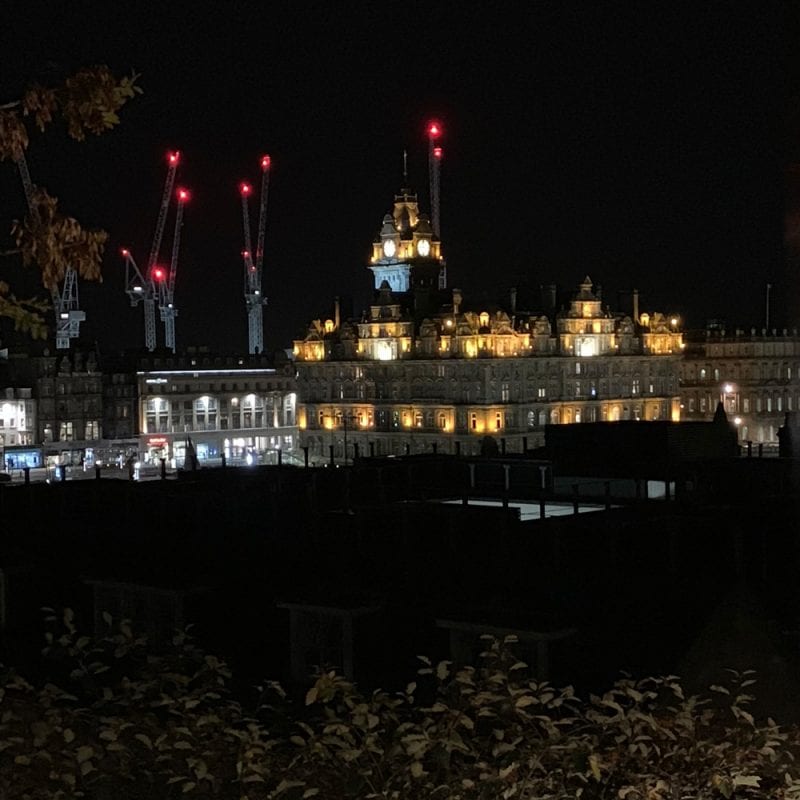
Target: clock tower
406,254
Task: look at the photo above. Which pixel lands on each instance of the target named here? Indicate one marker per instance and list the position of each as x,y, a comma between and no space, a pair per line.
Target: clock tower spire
406,252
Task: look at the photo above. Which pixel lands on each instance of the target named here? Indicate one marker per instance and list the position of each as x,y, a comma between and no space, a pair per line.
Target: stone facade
215,408
420,371
755,373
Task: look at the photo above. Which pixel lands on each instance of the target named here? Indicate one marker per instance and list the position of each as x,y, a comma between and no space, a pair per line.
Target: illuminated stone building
17,422
217,406
756,374
420,371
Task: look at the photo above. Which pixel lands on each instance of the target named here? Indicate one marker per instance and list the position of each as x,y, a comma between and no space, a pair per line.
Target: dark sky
643,144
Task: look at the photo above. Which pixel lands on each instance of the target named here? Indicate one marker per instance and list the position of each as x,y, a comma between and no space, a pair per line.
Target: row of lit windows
480,421
754,349
468,393
745,372
746,405
246,386
67,431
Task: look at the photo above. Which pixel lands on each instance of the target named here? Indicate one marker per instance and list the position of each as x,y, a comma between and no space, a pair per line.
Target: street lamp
728,389
345,418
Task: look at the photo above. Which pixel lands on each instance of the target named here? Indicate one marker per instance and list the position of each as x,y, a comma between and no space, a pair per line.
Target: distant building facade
81,410
17,417
420,371
215,408
69,392
755,373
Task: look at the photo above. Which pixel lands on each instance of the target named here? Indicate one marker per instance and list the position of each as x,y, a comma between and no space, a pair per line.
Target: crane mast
434,167
167,287
173,159
145,288
68,315
254,300
140,290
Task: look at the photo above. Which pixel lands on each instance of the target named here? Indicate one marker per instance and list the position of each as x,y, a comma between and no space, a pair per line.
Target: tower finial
405,167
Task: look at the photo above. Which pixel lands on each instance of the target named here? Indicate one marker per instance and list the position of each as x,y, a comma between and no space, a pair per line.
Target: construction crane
167,287
254,300
434,165
68,316
147,288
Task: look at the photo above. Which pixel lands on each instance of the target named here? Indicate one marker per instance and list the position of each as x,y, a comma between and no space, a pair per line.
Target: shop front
22,456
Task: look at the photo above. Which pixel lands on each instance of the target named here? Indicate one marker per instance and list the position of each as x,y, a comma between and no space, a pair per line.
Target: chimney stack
636,306
336,313
549,297
456,300
513,299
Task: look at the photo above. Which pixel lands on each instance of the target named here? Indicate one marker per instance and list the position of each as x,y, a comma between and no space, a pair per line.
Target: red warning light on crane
125,252
437,152
245,189
183,195
245,254
266,162
159,273
434,129
174,157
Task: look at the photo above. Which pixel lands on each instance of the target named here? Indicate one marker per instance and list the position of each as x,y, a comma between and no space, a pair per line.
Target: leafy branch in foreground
87,102
124,721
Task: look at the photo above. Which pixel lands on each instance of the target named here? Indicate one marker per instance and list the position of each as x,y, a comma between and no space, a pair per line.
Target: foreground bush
119,721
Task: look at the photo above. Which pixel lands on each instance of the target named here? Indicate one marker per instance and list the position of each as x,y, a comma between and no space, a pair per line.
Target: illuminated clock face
388,248
424,248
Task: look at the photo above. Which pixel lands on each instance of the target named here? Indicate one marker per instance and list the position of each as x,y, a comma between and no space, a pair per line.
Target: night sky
642,144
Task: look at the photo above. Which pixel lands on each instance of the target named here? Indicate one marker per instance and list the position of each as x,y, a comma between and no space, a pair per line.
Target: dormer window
484,319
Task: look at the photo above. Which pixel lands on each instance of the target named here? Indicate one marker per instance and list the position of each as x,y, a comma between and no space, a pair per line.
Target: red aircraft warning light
434,130
125,252
159,273
245,189
266,162
174,157
437,152
183,195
